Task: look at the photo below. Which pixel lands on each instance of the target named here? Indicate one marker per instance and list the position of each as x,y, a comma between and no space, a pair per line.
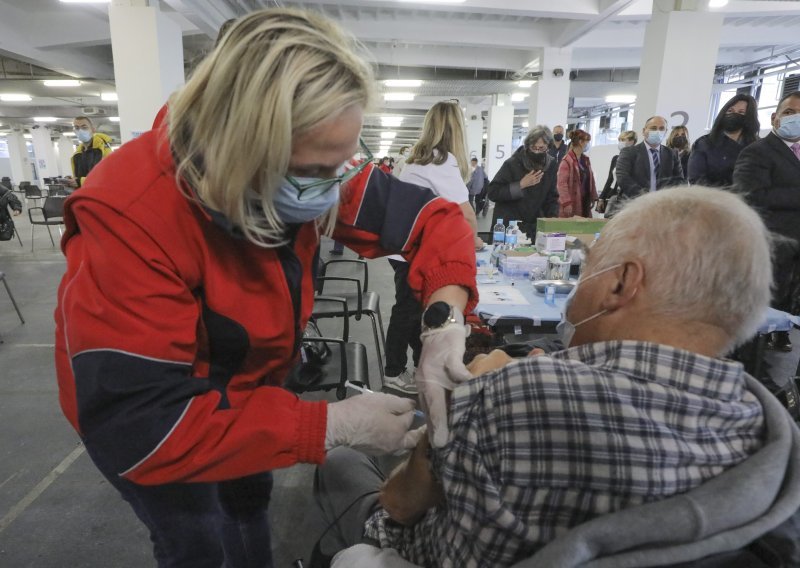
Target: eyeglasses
307,191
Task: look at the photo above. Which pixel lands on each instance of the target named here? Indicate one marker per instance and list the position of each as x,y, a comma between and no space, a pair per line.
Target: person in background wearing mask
611,188
714,155
93,147
401,161
650,165
678,140
191,254
768,173
386,165
476,185
524,188
558,148
604,453
577,191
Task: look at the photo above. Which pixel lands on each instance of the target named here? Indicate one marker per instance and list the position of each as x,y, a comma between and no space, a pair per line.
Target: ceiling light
431,1
398,97
388,135
525,124
62,83
485,136
67,134
620,99
15,98
85,1
113,118
402,83
44,119
525,84
109,96
717,3
391,121
27,136
517,97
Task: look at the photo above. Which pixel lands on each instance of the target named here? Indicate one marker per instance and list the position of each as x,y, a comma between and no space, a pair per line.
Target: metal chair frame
53,215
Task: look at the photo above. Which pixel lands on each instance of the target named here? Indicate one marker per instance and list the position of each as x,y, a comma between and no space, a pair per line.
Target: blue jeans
201,525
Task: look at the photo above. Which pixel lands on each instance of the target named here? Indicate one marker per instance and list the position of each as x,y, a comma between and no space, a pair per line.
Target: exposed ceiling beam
575,30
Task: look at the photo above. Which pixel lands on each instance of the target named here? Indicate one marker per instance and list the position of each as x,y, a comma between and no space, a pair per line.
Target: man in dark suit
649,165
768,173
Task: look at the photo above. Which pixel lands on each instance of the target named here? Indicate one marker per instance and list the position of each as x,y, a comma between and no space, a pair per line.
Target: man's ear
627,279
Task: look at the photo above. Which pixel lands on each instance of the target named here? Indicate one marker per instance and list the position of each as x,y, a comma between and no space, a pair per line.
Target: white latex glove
441,368
373,423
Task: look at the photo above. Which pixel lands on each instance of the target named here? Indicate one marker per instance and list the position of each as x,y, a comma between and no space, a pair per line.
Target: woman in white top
439,162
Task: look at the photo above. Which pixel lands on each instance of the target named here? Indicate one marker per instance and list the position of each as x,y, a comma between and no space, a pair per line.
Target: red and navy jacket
174,335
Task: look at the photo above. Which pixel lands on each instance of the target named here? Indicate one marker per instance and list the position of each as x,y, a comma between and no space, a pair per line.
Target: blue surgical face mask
85,136
314,203
790,127
565,328
655,137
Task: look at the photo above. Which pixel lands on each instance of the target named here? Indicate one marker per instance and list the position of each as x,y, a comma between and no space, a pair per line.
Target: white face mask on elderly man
565,328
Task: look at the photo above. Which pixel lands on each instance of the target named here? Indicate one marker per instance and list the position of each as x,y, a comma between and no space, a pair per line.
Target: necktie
796,149
656,161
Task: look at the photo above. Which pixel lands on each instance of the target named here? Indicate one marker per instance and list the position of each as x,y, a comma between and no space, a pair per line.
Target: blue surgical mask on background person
291,209
622,145
655,137
565,328
85,136
790,127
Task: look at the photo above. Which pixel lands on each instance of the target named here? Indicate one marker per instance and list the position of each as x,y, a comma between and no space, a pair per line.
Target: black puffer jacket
528,204
8,199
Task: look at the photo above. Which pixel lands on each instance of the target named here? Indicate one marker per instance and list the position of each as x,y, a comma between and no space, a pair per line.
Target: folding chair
32,192
13,301
52,213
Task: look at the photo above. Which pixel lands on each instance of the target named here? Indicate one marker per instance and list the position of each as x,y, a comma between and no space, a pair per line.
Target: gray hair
538,132
705,252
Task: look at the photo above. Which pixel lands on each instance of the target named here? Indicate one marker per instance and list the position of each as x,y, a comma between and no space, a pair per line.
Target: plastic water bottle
550,295
499,233
596,238
512,234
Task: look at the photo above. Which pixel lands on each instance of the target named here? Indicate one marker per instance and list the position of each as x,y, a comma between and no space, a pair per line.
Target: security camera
558,72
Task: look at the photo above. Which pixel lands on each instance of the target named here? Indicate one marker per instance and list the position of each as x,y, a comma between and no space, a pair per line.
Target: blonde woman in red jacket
577,192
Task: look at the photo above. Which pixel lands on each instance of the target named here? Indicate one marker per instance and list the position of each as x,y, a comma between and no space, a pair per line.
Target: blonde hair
276,73
629,136
444,131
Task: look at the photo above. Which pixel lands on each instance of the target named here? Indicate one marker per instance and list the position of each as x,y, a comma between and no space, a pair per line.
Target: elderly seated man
639,445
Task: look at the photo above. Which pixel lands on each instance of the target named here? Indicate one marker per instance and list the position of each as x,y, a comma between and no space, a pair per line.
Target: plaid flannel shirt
547,443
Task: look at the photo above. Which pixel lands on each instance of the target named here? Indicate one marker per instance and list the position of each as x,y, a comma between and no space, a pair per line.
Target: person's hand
600,207
531,179
483,363
16,213
479,244
373,423
566,211
441,368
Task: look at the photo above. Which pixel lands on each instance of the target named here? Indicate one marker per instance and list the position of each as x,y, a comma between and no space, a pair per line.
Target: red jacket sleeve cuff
311,427
452,273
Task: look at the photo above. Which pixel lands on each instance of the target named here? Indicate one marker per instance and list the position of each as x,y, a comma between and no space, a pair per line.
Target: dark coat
633,169
612,186
767,173
712,164
570,185
558,152
8,199
526,205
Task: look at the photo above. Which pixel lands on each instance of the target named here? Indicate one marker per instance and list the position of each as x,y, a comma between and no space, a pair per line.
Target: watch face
436,314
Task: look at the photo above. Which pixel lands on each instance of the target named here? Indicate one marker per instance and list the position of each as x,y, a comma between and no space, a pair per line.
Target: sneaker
404,382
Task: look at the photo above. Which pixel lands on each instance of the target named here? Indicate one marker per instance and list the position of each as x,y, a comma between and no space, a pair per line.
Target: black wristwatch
437,315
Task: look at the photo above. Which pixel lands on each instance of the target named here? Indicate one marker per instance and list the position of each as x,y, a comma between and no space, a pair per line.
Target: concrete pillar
18,157
65,149
474,132
501,130
148,62
46,162
676,75
548,102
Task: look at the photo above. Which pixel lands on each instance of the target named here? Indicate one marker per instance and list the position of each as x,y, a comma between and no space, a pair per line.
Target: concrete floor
55,508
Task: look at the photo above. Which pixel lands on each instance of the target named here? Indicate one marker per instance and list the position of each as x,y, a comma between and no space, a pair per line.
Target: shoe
404,382
780,341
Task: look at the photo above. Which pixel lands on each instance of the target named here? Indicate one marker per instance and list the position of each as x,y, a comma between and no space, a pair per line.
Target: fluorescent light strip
109,96
389,121
113,118
518,97
525,84
44,119
621,99
61,83
388,135
403,83
398,97
15,98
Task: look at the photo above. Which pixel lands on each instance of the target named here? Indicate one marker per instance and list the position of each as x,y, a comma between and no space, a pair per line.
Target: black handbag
313,356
